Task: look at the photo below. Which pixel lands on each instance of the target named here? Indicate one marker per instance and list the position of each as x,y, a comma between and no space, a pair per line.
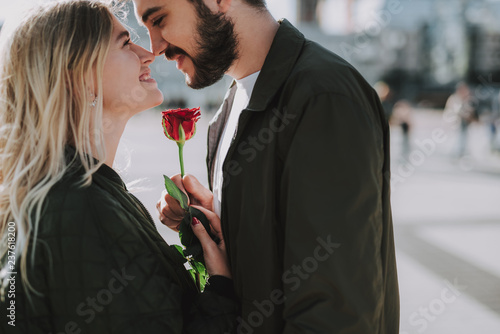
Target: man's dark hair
261,4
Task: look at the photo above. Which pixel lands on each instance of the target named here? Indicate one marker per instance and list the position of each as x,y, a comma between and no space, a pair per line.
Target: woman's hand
215,255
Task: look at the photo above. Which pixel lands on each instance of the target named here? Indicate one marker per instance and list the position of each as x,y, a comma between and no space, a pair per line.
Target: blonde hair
50,70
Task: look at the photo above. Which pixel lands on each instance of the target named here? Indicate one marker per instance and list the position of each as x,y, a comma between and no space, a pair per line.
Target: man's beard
217,47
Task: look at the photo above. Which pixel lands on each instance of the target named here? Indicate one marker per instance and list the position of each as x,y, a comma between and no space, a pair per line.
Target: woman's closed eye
157,21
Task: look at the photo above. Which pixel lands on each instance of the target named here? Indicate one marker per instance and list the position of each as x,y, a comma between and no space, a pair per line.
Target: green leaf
179,251
176,193
200,270
193,274
194,251
203,282
198,267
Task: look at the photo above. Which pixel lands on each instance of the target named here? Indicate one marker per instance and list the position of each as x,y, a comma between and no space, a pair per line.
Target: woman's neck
112,135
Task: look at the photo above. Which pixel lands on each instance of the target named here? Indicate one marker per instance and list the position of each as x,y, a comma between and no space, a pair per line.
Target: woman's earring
94,102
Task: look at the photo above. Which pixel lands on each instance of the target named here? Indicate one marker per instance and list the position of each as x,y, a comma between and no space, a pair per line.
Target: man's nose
158,44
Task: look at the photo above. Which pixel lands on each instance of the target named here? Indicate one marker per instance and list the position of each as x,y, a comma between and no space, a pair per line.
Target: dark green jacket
306,213
102,268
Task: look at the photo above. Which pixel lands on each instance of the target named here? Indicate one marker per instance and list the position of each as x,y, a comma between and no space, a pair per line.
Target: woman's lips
146,77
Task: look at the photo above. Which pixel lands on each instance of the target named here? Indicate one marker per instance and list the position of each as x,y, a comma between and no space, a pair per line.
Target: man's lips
180,61
179,58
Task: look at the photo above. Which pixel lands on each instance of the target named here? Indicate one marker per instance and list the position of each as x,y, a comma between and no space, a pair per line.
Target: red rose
180,125
173,119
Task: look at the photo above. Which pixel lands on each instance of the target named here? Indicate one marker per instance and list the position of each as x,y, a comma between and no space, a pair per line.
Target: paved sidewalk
447,227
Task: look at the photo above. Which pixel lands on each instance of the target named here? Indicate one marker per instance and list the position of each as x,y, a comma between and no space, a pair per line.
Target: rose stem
181,158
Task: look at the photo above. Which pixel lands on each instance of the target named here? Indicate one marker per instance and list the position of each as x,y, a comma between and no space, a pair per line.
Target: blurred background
436,67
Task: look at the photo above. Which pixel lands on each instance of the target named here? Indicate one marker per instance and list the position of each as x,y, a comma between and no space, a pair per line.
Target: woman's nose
145,56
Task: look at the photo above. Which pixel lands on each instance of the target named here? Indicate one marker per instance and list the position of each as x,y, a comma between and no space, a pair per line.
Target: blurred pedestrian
494,123
402,118
386,96
461,104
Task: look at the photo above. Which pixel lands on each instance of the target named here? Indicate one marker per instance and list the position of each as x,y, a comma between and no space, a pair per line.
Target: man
298,161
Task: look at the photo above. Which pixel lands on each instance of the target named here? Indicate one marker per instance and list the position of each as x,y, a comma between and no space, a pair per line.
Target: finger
171,214
201,195
171,208
213,219
215,257
171,224
206,242
167,202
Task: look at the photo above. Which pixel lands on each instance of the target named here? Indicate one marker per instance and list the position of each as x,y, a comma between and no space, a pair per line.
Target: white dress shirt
242,97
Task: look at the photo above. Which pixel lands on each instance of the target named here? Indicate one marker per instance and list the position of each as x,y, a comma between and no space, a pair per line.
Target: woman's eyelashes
127,42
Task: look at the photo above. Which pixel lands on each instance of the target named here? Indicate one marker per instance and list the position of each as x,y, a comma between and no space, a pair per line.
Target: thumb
201,233
198,192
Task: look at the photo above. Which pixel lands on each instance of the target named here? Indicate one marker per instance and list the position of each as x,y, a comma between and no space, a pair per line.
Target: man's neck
255,35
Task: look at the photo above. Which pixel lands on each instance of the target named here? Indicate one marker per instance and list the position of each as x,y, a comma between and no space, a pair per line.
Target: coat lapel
216,129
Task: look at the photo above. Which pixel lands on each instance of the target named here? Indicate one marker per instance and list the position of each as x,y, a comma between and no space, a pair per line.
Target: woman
87,255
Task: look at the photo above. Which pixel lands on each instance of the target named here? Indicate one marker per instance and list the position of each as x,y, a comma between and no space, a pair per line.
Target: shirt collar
280,60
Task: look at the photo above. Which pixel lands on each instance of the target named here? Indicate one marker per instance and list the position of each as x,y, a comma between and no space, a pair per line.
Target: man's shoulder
319,70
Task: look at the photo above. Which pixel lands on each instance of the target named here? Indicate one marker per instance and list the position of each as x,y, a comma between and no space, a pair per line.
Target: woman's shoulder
71,203
71,193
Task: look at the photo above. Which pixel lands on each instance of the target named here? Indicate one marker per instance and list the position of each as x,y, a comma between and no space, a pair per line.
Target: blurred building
421,48
307,11
442,42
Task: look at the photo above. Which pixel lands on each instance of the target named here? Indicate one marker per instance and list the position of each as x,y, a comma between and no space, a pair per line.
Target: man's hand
171,213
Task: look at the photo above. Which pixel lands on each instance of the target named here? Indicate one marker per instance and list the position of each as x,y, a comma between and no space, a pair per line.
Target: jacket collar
285,50
75,167
111,175
215,130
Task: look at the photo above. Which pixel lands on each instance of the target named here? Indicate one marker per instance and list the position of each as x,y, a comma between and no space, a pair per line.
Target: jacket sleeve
107,275
332,208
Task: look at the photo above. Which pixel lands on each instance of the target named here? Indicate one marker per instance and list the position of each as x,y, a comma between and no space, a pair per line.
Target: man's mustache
173,51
